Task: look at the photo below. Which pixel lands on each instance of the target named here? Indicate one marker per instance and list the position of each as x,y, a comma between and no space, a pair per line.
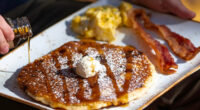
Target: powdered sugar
92,52
63,62
72,86
55,81
117,62
107,91
76,57
88,90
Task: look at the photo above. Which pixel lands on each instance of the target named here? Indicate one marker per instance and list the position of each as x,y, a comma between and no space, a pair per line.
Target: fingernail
193,15
4,49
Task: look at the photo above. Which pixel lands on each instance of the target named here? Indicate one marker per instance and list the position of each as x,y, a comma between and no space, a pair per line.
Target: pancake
126,75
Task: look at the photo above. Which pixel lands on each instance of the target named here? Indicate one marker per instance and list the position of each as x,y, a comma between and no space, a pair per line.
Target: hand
168,6
6,35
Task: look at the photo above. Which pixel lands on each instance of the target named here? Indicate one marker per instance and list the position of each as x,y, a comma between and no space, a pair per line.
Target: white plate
60,33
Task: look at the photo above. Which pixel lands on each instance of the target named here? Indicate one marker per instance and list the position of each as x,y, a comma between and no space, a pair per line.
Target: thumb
176,7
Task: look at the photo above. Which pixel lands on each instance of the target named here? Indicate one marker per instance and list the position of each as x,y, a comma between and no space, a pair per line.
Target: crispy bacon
181,46
165,60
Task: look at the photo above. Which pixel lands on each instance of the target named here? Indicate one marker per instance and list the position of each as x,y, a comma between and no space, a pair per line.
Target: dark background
44,13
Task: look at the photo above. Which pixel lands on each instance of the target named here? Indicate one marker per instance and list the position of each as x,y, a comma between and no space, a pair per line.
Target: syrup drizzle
29,56
49,90
81,90
110,73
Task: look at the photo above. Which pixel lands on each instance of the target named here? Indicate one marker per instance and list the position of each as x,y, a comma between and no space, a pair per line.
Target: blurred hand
168,6
6,35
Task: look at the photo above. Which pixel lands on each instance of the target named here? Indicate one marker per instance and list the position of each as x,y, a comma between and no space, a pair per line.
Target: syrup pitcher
22,30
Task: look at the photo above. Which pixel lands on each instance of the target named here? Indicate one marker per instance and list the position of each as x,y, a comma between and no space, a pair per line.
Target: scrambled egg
124,8
100,23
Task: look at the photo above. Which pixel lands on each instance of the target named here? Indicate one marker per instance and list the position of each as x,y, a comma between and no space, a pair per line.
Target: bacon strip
165,60
181,46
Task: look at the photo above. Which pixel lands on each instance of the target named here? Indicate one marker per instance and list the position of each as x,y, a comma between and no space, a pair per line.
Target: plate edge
168,88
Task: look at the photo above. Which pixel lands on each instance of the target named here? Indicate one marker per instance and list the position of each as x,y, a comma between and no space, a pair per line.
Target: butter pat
88,67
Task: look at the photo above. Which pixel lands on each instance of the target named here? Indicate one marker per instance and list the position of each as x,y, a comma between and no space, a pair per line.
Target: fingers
171,6
176,7
4,47
153,4
6,35
6,29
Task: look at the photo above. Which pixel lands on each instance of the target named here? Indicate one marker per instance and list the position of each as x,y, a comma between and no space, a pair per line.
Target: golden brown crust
52,80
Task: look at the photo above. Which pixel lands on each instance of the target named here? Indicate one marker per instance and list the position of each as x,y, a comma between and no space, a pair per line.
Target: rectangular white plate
60,33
